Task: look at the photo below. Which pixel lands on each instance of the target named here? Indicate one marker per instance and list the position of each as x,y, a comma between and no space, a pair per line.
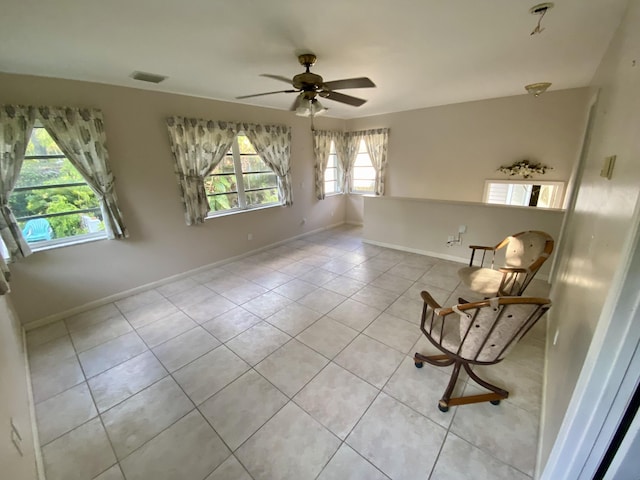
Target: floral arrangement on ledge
525,168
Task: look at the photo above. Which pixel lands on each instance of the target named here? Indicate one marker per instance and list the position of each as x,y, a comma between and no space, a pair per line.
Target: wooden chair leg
437,360
447,401
495,397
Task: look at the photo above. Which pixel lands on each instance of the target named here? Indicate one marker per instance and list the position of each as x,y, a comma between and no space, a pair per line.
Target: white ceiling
419,53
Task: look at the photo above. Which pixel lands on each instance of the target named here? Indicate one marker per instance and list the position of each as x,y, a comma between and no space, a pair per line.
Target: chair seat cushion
482,280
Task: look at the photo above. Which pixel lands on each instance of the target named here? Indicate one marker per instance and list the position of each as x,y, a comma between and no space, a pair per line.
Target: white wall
448,152
160,244
423,226
14,399
598,230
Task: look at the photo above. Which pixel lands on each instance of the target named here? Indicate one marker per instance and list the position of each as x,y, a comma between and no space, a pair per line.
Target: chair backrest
483,332
525,248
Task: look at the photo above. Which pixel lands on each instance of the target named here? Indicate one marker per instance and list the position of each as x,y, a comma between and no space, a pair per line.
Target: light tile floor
293,363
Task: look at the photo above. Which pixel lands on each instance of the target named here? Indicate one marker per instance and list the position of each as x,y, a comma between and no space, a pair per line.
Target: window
524,193
241,181
364,175
331,173
51,201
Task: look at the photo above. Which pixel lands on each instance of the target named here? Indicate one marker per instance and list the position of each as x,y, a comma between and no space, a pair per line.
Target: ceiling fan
310,85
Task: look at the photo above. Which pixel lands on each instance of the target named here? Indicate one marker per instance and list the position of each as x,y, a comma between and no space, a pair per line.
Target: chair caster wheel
419,364
443,409
494,402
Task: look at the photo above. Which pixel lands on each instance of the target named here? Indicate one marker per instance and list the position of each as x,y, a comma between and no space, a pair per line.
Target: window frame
333,153
56,242
557,200
240,191
362,149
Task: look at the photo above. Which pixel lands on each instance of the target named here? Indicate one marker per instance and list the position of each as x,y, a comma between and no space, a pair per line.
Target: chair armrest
428,299
481,247
512,270
484,249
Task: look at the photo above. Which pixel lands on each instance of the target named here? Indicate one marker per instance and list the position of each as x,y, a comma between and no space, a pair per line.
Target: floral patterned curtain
273,144
198,146
16,123
4,277
347,147
376,142
79,132
321,149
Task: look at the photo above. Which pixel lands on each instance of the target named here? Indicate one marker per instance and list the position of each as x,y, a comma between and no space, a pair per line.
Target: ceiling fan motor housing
307,81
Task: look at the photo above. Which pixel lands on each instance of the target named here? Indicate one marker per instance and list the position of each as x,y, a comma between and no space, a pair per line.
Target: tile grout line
252,367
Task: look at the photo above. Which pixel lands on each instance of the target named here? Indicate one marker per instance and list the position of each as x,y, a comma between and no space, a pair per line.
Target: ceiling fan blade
277,77
342,98
360,82
267,93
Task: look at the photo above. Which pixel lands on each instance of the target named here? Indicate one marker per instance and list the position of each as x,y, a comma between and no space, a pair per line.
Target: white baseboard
32,411
442,256
453,258
132,291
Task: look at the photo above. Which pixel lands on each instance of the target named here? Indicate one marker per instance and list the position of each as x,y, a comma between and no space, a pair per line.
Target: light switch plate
607,167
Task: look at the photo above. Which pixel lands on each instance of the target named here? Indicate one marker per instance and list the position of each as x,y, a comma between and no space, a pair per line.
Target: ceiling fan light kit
310,108
310,85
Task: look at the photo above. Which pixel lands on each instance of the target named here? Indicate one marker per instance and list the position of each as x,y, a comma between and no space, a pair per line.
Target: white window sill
334,194
67,242
226,213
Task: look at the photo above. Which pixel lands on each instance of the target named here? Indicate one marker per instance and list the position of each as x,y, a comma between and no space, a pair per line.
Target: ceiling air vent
148,77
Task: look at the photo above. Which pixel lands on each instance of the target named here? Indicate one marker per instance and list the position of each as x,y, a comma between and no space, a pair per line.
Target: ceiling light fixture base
541,8
537,89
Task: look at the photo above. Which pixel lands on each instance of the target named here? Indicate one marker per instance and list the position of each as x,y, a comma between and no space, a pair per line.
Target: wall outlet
250,236
451,239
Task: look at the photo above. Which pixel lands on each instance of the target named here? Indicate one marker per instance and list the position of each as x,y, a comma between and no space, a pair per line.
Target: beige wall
422,226
448,152
14,399
599,227
160,243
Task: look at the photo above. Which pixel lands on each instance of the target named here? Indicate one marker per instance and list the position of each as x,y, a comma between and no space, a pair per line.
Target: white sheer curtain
79,132
273,145
16,123
376,142
347,147
198,146
321,149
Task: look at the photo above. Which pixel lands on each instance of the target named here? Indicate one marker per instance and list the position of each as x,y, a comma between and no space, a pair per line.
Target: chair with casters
476,333
524,253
